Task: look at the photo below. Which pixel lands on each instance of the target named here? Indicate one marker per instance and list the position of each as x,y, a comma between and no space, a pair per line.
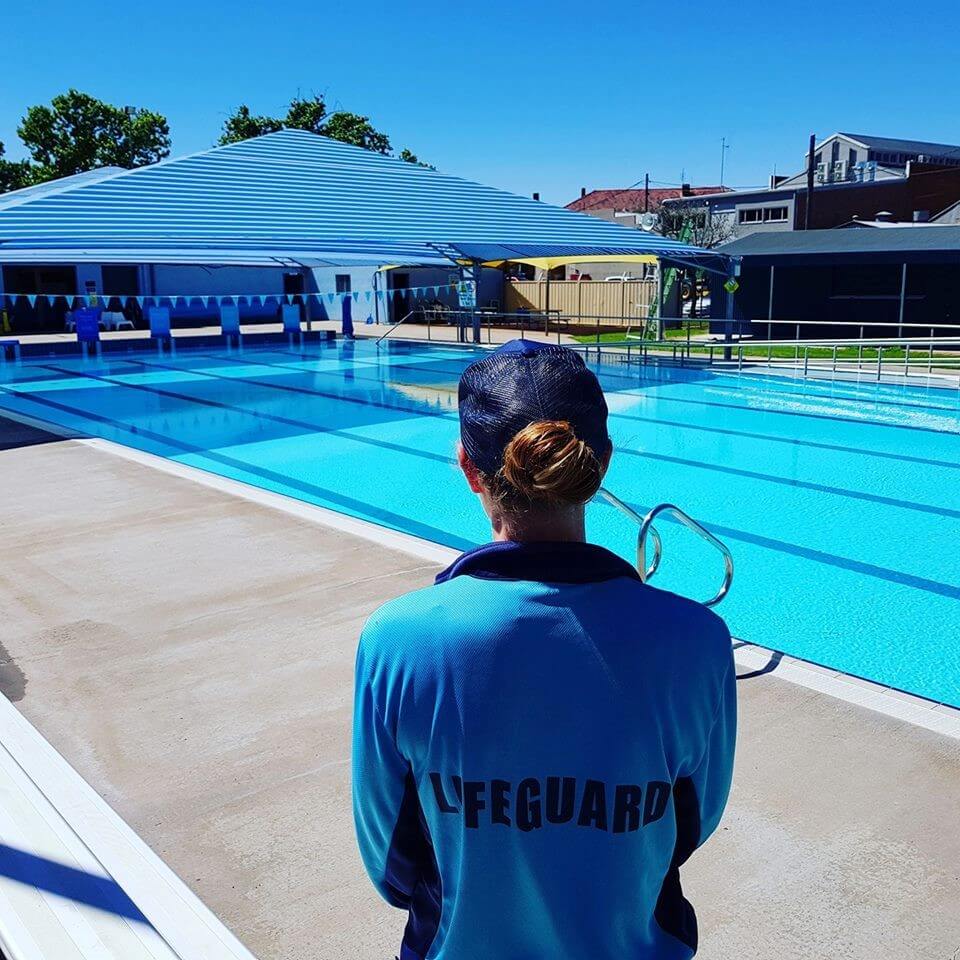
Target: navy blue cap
523,382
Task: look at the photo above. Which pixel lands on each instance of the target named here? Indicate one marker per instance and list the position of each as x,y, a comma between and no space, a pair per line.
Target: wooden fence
621,303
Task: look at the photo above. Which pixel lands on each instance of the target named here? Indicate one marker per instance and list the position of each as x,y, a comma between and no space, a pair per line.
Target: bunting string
186,300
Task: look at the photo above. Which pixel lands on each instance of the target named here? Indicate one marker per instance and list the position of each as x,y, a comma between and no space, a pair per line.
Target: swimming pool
839,500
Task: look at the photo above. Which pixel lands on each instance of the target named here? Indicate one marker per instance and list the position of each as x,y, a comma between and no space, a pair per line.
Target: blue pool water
840,501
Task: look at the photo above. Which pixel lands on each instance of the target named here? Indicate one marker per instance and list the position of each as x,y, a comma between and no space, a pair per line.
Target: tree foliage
310,114
77,132
14,174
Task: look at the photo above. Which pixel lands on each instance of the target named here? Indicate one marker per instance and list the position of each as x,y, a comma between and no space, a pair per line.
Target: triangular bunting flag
330,297
32,297
355,295
367,295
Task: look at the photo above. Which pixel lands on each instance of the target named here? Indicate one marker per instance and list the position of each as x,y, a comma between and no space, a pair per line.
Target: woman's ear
469,470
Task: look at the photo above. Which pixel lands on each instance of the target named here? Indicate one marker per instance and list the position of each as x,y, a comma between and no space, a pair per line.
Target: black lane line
802,484
840,448
680,461
394,520
300,425
782,546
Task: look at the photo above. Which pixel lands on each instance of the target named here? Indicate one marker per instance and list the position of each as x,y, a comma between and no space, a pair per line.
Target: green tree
308,114
78,132
410,157
14,174
352,128
240,125
311,114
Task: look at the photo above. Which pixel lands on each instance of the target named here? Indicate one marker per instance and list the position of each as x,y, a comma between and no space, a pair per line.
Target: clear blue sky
529,96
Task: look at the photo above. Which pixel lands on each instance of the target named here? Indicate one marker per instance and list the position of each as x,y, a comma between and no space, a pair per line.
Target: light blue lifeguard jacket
540,741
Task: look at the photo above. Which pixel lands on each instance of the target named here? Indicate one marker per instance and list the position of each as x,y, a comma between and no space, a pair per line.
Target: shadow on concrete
775,657
14,435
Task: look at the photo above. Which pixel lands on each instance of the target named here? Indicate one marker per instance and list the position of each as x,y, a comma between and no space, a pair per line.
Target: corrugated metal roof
296,190
931,239
13,197
899,145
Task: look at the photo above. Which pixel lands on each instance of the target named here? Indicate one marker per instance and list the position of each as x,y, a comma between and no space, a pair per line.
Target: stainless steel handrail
697,528
391,327
645,572
648,529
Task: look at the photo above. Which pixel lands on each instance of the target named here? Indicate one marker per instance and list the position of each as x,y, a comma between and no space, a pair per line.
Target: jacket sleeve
386,807
701,795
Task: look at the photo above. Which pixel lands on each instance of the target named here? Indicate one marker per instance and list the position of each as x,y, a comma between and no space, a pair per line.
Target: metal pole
770,303
809,210
903,297
546,308
728,326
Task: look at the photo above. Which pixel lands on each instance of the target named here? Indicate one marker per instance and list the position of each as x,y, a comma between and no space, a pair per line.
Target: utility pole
809,215
646,193
724,147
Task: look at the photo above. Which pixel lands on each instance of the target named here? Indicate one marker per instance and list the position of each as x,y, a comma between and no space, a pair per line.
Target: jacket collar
542,560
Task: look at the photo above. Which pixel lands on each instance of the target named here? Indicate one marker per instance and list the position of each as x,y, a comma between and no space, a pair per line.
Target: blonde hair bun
546,464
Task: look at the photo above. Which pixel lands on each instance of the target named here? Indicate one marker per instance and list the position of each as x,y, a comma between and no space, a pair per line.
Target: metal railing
938,357
470,323
648,529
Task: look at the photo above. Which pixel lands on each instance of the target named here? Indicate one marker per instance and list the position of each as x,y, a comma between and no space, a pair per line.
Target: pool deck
189,651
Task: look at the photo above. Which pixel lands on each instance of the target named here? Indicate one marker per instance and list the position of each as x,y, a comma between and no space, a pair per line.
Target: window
754,215
853,156
343,283
835,151
774,214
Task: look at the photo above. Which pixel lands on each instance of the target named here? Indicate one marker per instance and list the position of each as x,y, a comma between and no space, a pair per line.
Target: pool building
289,215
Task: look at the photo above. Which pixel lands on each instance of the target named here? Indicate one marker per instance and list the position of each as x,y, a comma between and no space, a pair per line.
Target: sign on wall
467,293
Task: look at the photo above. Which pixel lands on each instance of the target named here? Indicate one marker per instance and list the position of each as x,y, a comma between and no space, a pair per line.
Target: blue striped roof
294,190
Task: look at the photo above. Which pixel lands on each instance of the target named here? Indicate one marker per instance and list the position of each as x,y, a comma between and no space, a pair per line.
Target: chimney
921,216
583,191
536,196
685,190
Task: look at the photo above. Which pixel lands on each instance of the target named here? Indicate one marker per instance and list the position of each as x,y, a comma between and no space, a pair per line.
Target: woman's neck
565,525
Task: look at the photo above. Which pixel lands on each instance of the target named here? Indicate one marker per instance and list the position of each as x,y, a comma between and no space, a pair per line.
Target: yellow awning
548,263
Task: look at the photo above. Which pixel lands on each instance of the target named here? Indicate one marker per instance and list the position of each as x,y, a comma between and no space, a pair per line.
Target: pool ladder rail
648,529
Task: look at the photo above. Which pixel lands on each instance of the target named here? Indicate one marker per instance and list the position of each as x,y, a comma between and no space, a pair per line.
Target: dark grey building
857,278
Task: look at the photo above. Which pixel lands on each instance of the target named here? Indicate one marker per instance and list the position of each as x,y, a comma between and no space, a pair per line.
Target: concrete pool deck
190,652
